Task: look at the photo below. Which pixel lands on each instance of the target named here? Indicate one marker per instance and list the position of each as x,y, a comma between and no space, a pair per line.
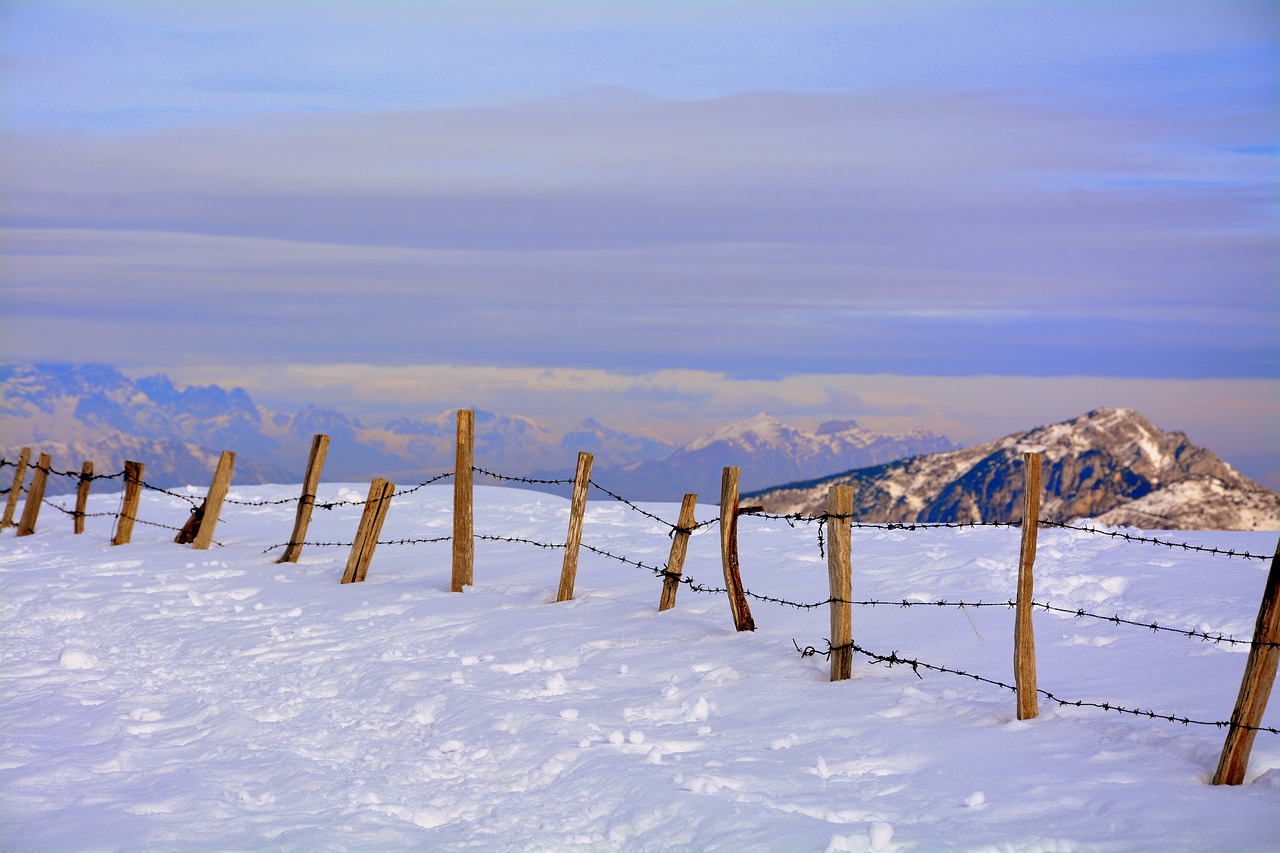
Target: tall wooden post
577,510
729,550
679,547
35,497
375,512
1255,687
213,501
19,477
82,494
1024,641
129,505
840,572
464,546
306,503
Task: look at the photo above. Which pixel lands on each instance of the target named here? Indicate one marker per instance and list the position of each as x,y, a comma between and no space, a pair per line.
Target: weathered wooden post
82,494
306,503
375,512
577,509
464,546
840,573
1024,641
213,501
187,534
129,504
679,548
729,550
19,477
35,497
1255,687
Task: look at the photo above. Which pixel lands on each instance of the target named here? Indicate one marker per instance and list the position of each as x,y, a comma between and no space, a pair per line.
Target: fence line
791,518
890,660
692,583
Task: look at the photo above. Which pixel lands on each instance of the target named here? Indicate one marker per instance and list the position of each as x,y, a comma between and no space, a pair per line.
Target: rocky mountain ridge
1110,465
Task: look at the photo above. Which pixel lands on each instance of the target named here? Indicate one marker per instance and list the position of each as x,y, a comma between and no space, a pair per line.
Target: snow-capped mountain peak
762,430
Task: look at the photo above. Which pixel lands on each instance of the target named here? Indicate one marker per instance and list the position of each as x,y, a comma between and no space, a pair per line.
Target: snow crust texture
160,698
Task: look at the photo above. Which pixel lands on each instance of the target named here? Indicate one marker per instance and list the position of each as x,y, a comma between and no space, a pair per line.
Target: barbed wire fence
820,521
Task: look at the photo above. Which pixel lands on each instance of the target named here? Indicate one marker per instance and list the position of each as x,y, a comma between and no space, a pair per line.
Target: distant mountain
168,463
1111,465
611,448
78,411
94,412
767,451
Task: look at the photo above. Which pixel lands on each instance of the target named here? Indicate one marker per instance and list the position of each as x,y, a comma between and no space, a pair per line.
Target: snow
157,697
760,430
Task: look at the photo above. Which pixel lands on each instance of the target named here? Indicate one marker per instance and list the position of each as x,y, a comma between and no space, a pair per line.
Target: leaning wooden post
375,512
35,497
464,546
213,501
306,503
679,547
729,550
82,494
129,504
19,477
577,509
1024,641
1255,687
840,572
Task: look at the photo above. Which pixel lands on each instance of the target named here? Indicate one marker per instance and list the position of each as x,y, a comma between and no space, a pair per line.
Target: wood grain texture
1255,687
679,548
573,542
1024,641
307,502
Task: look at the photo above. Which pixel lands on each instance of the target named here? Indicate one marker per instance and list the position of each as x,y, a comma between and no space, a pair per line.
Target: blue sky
976,217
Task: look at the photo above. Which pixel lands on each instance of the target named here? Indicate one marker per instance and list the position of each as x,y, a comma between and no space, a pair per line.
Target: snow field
156,697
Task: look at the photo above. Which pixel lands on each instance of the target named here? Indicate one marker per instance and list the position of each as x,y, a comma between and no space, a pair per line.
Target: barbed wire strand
508,478
894,659
672,528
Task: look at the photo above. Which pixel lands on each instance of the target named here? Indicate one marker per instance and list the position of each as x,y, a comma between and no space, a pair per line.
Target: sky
975,217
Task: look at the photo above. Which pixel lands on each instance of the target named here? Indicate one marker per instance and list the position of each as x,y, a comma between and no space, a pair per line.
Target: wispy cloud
683,207
880,231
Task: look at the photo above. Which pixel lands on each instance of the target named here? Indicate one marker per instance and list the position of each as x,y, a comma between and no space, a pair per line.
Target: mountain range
767,451
78,411
1110,465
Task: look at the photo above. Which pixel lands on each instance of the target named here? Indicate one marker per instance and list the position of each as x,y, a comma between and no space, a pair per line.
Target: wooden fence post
577,509
213,501
464,546
1255,687
82,494
1024,641
19,477
679,547
129,505
375,512
35,497
729,550
306,503
840,572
